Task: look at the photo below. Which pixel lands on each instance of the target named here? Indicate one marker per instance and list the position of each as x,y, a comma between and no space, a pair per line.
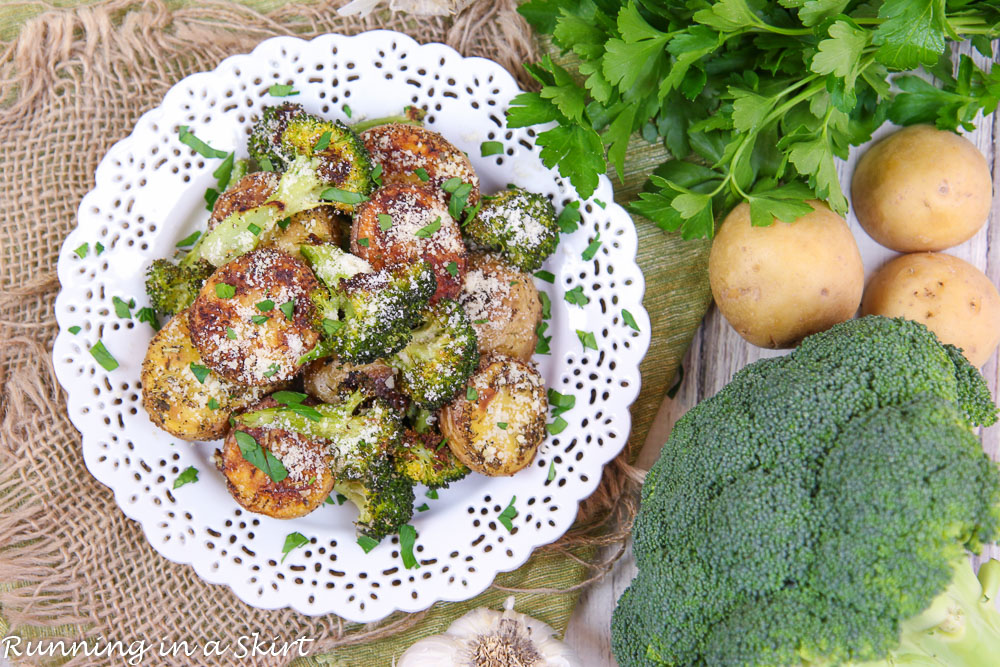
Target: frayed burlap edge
63,52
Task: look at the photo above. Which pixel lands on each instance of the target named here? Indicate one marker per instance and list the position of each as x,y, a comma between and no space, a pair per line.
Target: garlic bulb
487,638
415,7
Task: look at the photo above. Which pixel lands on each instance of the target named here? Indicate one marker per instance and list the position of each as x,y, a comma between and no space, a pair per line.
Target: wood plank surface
717,353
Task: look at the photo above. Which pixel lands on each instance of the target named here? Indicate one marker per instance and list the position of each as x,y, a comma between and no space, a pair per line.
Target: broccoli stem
961,626
334,420
385,120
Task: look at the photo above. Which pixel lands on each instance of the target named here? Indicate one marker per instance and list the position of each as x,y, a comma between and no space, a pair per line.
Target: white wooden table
717,353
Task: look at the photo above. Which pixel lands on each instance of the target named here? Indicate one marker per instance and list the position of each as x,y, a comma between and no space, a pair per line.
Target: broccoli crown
286,132
521,225
370,315
384,498
811,507
442,354
426,459
172,288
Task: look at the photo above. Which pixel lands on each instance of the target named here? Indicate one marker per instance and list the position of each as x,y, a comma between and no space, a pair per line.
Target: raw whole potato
951,297
778,284
922,189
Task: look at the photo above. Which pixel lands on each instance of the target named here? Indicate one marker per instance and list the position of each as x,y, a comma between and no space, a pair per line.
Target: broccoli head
172,287
384,498
814,509
520,225
442,354
426,459
287,132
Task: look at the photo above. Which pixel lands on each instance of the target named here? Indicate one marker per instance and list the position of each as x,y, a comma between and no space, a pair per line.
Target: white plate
149,195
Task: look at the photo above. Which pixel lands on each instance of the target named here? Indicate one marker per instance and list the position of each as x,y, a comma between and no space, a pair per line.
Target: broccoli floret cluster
425,458
172,287
815,506
518,224
442,354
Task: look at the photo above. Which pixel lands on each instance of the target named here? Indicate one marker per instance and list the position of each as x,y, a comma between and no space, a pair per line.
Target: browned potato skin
778,284
951,297
401,149
258,275
508,302
399,245
471,426
249,192
254,490
922,189
328,379
174,398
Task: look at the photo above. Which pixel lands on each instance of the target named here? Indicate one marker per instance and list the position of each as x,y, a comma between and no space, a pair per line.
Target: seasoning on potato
778,284
922,189
951,297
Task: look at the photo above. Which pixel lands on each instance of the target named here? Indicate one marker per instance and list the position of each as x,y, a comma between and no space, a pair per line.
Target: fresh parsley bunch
754,99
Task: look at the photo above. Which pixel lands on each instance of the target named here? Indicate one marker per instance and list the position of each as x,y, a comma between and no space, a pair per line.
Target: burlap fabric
71,565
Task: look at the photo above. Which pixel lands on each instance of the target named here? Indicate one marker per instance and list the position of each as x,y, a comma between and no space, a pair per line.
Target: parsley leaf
74,329
188,240
123,309
103,357
259,457
428,230
384,221
407,539
148,315
293,541
367,543
576,297
508,514
323,142
629,319
488,148
82,250
200,147
288,308
342,196
422,174
587,339
282,90
225,290
200,372
188,476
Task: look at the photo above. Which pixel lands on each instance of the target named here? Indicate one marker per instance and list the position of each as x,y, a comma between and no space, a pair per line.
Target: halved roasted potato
415,155
403,223
253,319
316,226
176,399
495,428
328,379
503,305
309,480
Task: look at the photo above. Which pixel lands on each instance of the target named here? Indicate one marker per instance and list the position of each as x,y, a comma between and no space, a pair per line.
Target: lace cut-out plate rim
149,195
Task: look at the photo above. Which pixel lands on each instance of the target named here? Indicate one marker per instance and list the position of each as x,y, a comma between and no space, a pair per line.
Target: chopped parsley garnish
452,268
432,494
292,542
422,174
213,404
74,330
407,538
259,457
569,218
557,426
211,196
480,321
347,110
444,441
363,242
230,333
200,372
502,426
459,197
289,397
265,305
254,229
103,357
123,309
200,147
508,514
471,394
265,164
428,230
225,290
366,543
331,327
224,172
188,476
384,221
629,319
341,499
188,240
576,296
328,501
451,185
547,276
259,319
148,315
546,305
82,250
552,471
288,308
488,148
591,250
542,346
560,403
587,339
600,203
323,142
423,508
271,370
282,90
98,248
283,224
377,175
342,196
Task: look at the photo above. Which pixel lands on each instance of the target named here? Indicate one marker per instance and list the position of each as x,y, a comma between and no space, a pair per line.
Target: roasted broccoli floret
286,132
173,287
521,225
361,430
366,316
426,459
818,510
440,357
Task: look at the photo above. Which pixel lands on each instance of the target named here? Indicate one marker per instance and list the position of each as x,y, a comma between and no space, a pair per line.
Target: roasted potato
242,323
317,226
176,400
402,149
495,428
328,379
503,306
418,227
309,481
249,192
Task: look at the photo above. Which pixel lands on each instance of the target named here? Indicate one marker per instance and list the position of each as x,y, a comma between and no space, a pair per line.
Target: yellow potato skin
922,189
778,284
951,297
